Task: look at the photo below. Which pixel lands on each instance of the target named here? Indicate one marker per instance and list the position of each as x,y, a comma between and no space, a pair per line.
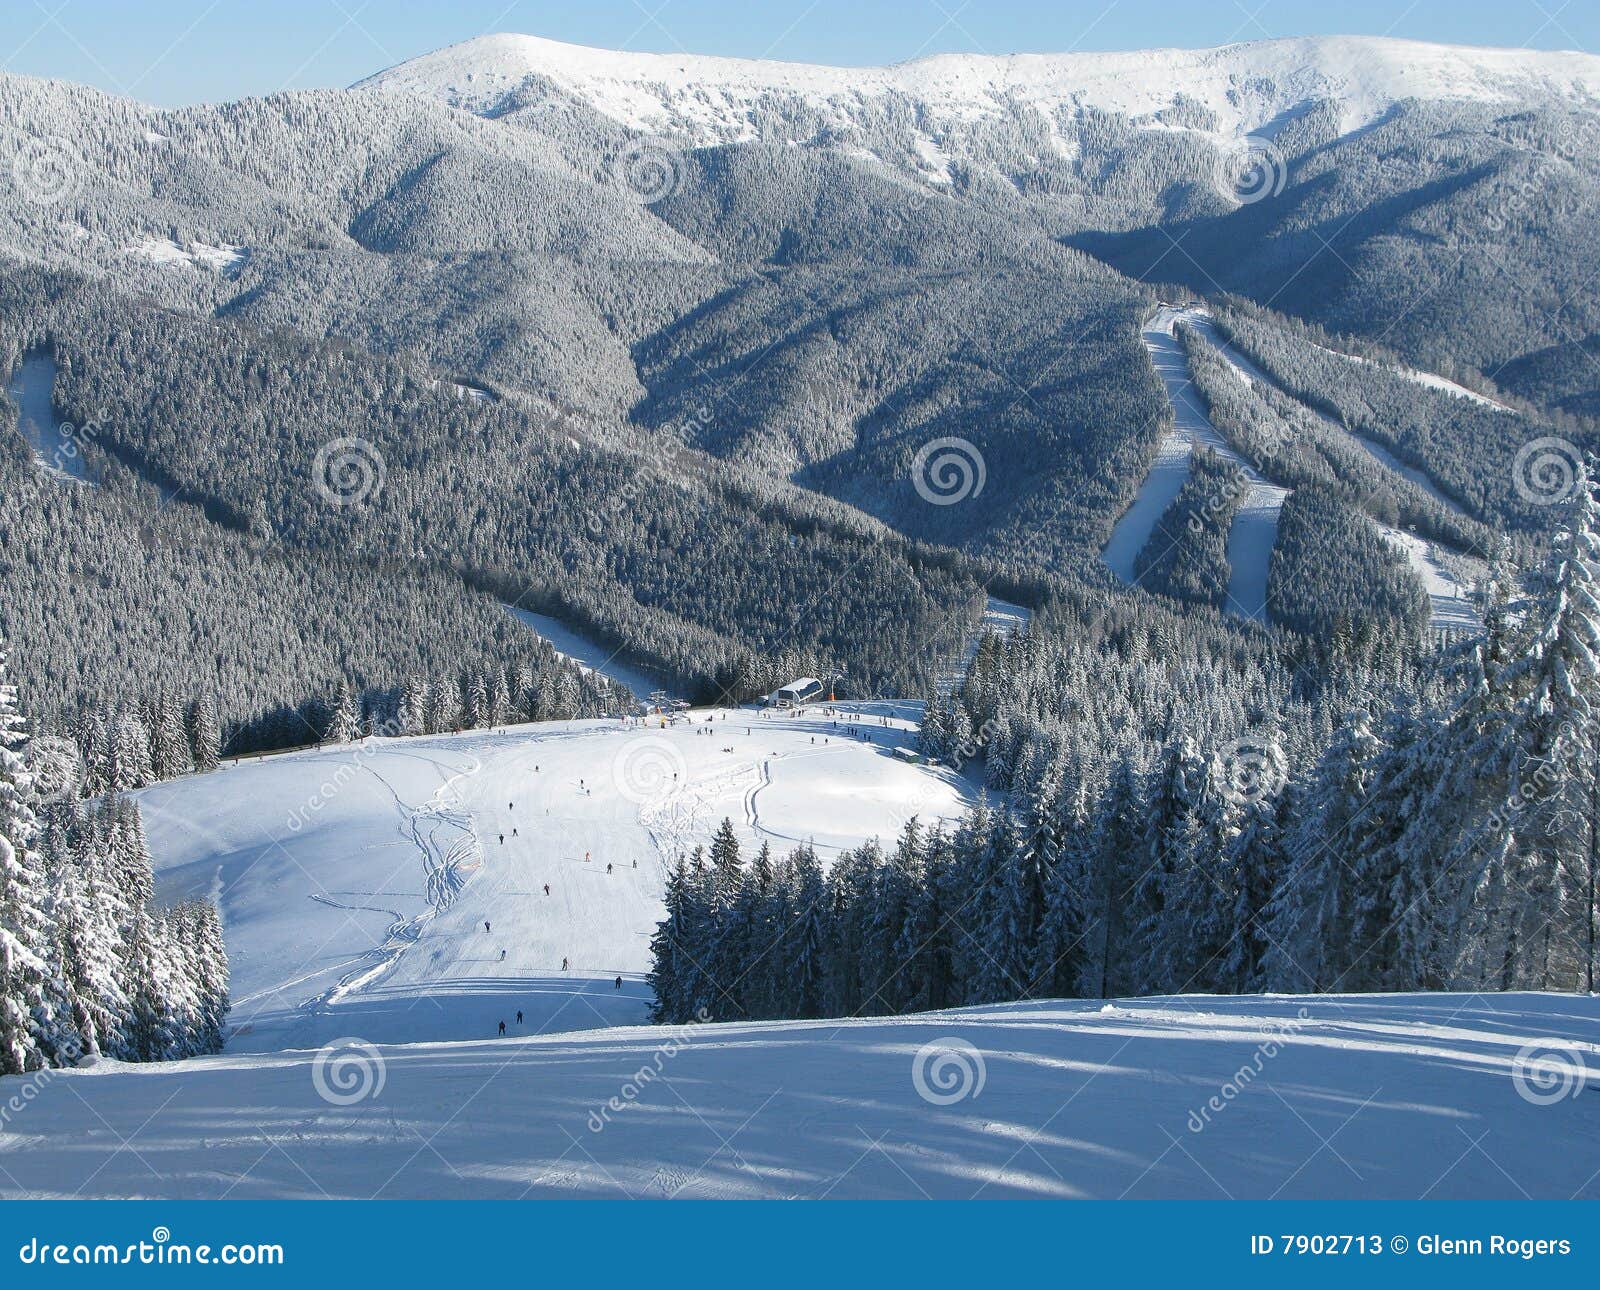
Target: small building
805,690
909,754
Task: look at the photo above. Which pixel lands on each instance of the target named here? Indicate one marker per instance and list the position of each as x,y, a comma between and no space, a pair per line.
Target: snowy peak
1233,89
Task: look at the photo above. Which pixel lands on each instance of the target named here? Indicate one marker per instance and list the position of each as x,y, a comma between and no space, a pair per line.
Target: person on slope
502,956
619,983
608,868
519,1016
486,924
547,889
563,965
502,1028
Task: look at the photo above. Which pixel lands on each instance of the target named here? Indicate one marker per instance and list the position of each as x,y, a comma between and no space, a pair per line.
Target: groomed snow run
1327,1096
998,616
1446,574
1255,525
592,656
355,881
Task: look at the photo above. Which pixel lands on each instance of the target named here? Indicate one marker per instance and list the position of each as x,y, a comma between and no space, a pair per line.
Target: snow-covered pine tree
28,1030
205,733
344,716
1311,914
169,739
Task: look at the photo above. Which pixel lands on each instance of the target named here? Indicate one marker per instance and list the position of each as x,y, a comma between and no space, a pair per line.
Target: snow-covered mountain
1234,89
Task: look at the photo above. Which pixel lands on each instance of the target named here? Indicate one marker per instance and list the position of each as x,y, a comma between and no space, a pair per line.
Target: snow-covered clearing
1401,1096
998,616
591,655
355,881
201,255
54,442
1255,526
1446,575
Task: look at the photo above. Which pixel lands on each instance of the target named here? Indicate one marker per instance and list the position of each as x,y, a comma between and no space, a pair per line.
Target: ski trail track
442,832
1255,526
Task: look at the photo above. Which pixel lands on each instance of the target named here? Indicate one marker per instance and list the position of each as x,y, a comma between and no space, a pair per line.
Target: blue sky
183,51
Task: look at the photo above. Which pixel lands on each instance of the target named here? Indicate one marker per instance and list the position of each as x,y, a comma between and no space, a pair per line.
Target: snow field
1401,1096
355,881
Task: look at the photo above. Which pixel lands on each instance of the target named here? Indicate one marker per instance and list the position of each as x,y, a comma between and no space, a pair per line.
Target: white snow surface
1255,525
1327,1096
998,616
1432,380
162,250
355,880
590,655
1249,86
1447,575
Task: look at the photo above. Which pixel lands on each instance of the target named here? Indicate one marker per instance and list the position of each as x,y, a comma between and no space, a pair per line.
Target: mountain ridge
1246,86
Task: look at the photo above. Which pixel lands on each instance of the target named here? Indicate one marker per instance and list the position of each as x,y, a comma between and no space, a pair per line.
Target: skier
486,924
547,889
502,839
608,868
513,831
502,1028
619,983
519,1016
586,857
502,956
563,965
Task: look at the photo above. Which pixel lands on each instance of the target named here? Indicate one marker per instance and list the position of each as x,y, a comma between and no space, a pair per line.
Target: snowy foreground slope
355,881
1355,1096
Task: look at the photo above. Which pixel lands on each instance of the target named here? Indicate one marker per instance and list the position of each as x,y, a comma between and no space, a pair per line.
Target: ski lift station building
805,690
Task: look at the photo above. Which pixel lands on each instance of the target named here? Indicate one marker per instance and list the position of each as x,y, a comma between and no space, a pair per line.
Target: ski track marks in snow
1417,1094
367,918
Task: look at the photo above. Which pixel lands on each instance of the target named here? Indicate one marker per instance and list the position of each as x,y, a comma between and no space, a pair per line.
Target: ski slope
1400,1096
998,616
1446,575
1255,526
355,881
590,655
